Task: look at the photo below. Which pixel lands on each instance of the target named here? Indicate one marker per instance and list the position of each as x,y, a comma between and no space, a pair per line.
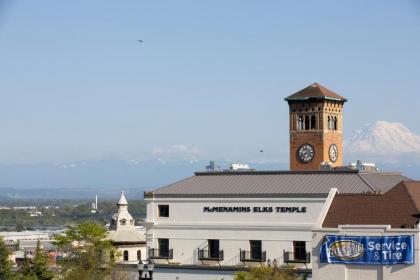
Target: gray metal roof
278,184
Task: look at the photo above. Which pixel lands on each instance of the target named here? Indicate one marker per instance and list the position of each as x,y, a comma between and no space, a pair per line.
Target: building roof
315,91
277,184
397,207
131,236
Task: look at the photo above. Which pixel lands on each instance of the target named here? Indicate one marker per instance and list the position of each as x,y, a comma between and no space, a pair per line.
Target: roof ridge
274,172
366,182
168,185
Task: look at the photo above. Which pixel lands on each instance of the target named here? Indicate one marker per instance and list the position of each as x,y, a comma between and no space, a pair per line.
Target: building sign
218,209
380,250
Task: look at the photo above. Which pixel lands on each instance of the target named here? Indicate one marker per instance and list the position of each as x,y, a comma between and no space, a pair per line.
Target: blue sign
382,250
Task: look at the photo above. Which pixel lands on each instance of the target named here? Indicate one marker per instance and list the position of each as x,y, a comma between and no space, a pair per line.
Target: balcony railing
206,255
289,257
248,256
157,254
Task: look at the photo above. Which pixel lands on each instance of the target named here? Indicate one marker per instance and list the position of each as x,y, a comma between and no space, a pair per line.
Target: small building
125,236
370,236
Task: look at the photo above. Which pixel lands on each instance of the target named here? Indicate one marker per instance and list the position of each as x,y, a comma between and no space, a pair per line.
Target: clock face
305,153
333,153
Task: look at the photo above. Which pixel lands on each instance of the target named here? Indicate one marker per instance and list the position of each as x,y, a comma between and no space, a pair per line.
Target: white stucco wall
327,271
132,252
189,227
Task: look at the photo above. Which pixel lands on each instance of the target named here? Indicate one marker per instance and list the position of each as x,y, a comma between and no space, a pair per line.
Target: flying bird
140,41
261,151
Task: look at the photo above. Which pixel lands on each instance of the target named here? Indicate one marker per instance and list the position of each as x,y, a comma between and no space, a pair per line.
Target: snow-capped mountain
383,139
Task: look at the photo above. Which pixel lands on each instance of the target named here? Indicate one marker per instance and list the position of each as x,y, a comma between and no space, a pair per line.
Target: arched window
330,123
300,123
335,123
307,122
139,255
313,122
125,255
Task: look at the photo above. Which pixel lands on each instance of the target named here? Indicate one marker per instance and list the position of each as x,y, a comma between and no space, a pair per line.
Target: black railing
204,255
291,257
158,254
250,256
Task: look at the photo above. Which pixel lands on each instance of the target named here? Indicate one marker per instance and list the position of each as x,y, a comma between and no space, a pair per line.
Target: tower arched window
139,255
313,122
330,123
335,123
307,122
125,255
300,123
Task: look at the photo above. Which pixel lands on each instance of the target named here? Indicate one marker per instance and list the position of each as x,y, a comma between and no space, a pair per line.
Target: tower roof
315,91
123,200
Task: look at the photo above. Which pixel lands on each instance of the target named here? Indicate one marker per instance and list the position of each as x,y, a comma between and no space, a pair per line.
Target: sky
208,80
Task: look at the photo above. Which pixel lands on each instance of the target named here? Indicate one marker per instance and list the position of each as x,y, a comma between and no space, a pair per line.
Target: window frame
160,208
299,250
255,249
126,256
163,253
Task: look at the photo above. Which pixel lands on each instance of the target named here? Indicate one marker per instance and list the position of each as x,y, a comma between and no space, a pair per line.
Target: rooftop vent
363,166
239,167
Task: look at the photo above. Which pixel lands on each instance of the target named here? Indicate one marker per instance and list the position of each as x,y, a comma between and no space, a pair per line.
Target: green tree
25,272
5,264
267,273
40,264
87,252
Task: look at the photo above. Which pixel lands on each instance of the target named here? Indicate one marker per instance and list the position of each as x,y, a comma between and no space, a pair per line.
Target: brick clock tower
316,128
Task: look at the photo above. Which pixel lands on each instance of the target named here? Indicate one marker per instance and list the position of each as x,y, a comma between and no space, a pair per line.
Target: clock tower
316,128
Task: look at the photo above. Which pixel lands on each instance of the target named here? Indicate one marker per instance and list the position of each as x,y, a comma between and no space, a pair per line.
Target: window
213,248
125,255
256,249
307,122
139,255
300,124
335,123
313,122
163,247
163,211
299,250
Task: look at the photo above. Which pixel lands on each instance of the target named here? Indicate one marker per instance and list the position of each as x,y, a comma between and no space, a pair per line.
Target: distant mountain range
391,145
106,177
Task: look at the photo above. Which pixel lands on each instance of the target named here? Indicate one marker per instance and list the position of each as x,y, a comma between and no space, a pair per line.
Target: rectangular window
213,248
256,249
299,250
163,247
163,211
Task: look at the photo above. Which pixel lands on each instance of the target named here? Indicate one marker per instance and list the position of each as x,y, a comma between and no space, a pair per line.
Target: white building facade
244,219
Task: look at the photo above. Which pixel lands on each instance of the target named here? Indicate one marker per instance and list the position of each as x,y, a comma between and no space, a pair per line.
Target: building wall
188,227
327,271
132,252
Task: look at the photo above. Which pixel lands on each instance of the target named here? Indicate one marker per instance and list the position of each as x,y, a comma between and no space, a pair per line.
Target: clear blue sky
76,84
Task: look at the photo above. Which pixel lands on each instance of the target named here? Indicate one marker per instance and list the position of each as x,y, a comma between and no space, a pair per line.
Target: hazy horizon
207,82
